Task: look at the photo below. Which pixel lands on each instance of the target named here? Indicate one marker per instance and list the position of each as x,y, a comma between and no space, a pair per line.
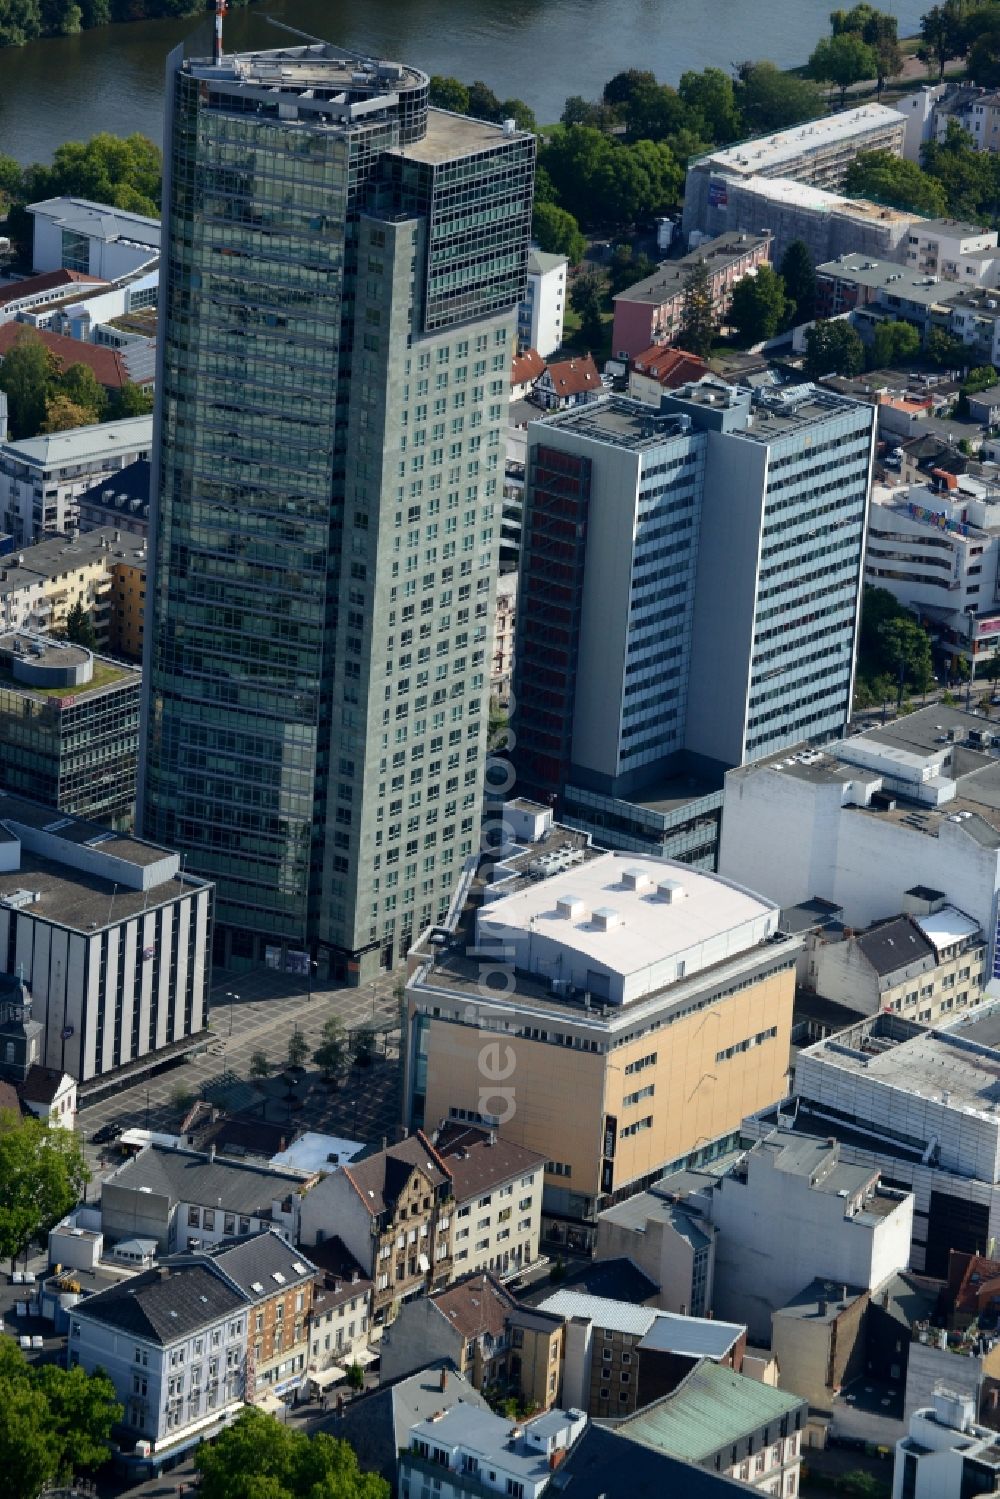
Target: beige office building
621,1017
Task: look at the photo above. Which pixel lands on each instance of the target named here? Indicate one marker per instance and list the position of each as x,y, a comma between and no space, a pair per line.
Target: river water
67,88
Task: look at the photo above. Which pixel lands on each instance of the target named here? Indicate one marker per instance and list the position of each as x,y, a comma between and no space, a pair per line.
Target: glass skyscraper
342,270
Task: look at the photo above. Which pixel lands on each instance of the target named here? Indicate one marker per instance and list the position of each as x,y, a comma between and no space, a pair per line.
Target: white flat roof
99,219
639,928
946,927
312,1152
78,444
787,145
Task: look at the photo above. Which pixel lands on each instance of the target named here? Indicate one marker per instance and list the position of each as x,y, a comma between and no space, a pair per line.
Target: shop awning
364,1357
324,1378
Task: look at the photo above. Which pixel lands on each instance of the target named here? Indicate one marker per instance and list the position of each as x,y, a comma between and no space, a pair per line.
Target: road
263,1012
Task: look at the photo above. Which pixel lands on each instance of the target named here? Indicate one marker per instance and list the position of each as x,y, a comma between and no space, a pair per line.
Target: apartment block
633,690
341,1311
945,1452
730,1424
468,1323
343,592
541,311
69,728
610,969
100,570
819,152
110,935
41,477
650,312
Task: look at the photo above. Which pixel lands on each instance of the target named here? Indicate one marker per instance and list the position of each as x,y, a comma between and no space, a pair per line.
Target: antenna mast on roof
220,10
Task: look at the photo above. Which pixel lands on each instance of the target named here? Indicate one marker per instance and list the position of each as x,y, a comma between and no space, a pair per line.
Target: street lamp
231,996
373,1001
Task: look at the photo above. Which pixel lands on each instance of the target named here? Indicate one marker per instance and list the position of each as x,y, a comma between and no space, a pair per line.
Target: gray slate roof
254,1261
895,944
604,1465
164,1307
378,1424
186,1176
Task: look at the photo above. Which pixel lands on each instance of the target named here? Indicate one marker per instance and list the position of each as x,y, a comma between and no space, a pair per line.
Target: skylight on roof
299,1268
277,1275
255,1285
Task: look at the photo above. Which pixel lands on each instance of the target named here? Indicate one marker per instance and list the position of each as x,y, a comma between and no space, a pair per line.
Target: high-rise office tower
689,596
342,271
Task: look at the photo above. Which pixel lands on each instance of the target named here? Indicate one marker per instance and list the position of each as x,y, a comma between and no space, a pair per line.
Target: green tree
42,1175
259,1457
711,96
984,56
132,400
900,184
970,178
54,1422
799,276
944,350
298,1049
448,93
79,628
363,1046
758,305
770,99
573,161
586,301
833,348
878,31
331,1052
626,268
580,111
11,182
894,343
557,232
259,1064
653,111
844,60
25,374
519,112
80,385
62,414
483,102
355,1376
20,22
698,320
125,171
942,34
619,90
977,379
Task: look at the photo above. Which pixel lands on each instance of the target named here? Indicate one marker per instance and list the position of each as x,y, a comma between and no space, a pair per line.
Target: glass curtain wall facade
301,282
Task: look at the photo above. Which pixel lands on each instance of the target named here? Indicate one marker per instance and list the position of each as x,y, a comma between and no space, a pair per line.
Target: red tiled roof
476,1305
526,366
573,376
46,281
480,1159
670,367
107,364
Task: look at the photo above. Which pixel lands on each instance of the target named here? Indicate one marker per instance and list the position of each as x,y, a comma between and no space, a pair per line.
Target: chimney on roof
443,1383
822,1306
385,1142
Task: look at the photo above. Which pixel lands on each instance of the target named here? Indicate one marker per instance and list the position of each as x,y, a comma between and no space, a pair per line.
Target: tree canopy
260,1458
758,305
899,184
42,397
889,635
79,628
698,321
42,1175
894,343
55,1423
833,348
799,276
557,232
770,99
843,59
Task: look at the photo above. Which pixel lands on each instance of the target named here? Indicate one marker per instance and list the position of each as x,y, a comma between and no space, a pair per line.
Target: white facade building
173,1345
75,234
793,1210
945,1455
936,548
41,477
936,247
540,315
906,804
111,938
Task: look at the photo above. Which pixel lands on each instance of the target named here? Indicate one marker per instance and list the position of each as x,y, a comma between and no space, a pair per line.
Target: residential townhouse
467,1322
497,1187
340,1312
186,1199
394,1212
467,1454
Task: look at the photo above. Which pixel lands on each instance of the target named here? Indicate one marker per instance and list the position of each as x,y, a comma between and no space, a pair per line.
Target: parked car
106,1134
